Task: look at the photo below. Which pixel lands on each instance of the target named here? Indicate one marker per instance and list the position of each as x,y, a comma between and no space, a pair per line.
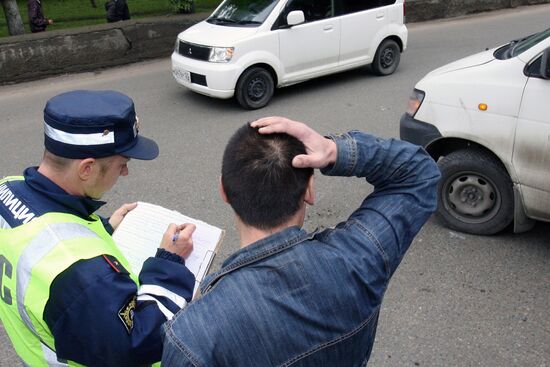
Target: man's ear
222,191
86,168
309,196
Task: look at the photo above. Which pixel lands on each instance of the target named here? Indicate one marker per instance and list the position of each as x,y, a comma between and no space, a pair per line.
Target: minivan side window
343,7
313,9
533,70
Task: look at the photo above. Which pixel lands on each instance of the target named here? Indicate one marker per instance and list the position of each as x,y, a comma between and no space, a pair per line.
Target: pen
175,237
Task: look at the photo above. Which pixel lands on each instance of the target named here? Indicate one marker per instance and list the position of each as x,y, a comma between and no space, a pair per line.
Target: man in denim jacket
289,297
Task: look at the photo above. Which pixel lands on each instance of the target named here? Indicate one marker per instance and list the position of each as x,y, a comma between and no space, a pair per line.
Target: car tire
255,88
387,57
475,194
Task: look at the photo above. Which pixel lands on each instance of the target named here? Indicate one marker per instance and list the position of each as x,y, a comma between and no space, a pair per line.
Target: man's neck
61,179
248,234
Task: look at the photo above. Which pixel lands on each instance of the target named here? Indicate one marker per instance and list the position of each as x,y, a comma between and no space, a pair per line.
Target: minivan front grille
193,51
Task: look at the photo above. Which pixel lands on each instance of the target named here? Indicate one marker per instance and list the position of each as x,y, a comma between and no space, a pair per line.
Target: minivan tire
254,88
475,193
387,57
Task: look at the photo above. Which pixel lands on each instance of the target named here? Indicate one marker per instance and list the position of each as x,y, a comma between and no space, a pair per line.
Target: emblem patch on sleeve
126,314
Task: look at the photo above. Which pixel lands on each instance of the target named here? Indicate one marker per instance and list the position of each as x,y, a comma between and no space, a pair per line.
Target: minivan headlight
415,101
221,54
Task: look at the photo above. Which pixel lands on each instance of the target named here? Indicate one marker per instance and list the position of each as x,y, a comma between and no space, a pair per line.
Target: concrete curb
35,56
422,10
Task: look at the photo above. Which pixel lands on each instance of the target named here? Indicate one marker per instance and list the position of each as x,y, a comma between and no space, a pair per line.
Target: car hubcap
471,197
387,57
256,88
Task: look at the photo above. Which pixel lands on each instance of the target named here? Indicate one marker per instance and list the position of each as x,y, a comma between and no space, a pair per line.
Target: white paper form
140,233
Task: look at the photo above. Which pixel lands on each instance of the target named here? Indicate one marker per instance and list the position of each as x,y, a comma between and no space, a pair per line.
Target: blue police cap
94,124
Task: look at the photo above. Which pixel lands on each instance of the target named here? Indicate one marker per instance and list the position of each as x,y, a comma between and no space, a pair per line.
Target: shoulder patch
115,264
126,313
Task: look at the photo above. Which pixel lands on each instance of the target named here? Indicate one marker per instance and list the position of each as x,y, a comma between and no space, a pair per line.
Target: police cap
94,124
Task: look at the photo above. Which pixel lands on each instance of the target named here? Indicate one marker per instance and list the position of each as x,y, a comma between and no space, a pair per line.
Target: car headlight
415,101
221,54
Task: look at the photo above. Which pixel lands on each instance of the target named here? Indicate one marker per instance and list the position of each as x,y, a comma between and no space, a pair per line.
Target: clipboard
139,235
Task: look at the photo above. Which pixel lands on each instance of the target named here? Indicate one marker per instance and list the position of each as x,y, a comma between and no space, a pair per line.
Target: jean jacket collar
257,251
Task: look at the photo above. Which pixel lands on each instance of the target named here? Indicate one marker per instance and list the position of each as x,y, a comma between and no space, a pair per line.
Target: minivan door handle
380,16
328,27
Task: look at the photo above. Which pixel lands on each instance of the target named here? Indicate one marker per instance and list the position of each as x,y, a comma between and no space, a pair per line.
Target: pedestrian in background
117,10
37,21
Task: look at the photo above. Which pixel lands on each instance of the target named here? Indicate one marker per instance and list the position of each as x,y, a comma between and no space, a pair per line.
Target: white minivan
247,48
486,120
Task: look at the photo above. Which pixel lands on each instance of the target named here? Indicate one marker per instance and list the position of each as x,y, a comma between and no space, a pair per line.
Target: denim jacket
313,299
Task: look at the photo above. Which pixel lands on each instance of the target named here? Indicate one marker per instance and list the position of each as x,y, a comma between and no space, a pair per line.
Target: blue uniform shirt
87,299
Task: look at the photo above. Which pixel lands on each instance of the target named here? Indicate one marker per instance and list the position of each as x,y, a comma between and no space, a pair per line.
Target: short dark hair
261,185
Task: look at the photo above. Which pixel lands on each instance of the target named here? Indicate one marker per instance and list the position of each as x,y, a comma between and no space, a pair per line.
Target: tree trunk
13,18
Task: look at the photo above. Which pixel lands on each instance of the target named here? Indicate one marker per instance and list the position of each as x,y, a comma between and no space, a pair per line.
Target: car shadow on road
282,94
535,237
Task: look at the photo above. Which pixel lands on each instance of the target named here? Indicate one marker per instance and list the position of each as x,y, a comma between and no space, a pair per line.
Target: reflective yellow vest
31,256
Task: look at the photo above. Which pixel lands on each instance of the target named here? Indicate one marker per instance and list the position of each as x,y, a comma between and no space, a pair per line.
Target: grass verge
79,13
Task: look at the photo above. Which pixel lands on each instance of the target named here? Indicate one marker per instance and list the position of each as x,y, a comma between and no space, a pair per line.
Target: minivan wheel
386,58
254,88
475,194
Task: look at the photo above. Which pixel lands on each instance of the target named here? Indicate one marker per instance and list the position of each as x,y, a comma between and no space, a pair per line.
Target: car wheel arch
397,40
265,66
443,146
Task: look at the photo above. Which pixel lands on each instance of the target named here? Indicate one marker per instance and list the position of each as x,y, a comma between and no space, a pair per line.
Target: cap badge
136,127
105,132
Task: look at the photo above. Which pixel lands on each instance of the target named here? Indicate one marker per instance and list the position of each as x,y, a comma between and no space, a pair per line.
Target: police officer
67,294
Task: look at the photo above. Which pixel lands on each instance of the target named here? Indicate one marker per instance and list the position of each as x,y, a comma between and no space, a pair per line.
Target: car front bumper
417,132
212,79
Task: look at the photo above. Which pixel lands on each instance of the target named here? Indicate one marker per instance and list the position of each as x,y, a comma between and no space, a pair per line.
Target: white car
486,119
246,48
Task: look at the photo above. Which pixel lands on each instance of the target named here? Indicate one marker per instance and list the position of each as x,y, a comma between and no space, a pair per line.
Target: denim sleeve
404,177
172,354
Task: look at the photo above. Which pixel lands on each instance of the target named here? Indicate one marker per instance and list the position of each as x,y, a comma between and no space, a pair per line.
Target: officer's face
108,172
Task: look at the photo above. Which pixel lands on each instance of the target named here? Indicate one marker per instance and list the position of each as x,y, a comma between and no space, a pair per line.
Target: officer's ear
86,168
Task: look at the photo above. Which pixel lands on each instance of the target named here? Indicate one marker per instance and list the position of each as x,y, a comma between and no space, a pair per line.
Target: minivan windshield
517,47
238,13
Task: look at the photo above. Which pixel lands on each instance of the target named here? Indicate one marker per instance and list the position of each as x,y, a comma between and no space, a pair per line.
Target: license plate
182,75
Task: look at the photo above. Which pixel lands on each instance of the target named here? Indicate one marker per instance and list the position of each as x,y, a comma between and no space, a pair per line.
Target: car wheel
255,88
475,194
386,58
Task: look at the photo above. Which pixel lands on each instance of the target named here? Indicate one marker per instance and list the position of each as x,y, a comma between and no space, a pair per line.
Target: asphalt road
456,300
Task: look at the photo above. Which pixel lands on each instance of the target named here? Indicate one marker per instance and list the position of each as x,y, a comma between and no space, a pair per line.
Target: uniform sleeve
99,317
404,177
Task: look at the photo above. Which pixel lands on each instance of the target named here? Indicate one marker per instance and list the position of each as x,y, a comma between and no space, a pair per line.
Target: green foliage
79,13
183,6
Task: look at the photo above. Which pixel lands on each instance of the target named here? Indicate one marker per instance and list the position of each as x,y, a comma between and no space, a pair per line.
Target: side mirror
545,64
295,17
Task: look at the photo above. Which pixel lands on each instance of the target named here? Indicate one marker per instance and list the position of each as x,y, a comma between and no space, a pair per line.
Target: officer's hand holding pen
177,239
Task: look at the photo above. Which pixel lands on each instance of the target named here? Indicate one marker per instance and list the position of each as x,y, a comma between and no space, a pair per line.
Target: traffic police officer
67,295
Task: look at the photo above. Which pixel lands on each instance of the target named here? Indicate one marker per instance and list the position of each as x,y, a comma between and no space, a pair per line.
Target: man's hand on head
119,214
321,151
